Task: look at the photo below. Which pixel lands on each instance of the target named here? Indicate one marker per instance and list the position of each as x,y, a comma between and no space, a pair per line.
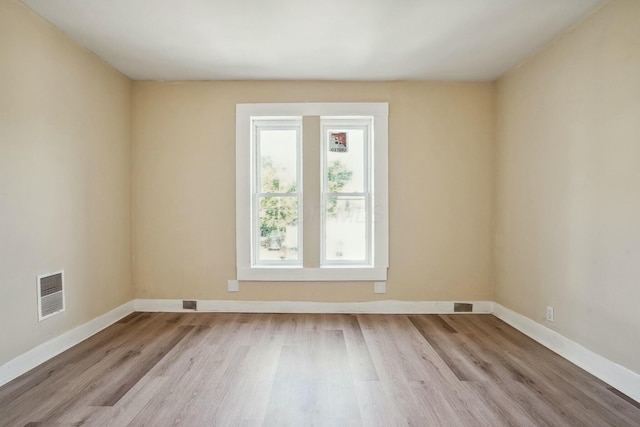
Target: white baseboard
619,377
623,379
45,351
371,307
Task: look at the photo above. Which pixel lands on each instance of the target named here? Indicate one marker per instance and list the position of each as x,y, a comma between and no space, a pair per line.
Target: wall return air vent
50,295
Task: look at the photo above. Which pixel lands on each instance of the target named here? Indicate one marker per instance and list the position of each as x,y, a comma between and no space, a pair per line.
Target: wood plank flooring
208,369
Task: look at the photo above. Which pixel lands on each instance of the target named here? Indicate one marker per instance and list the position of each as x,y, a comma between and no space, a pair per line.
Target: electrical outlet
233,286
550,314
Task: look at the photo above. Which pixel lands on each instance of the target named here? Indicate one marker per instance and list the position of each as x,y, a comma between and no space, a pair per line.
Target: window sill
300,274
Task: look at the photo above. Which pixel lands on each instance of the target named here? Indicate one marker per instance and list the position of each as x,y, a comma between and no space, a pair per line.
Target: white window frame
349,123
376,269
286,123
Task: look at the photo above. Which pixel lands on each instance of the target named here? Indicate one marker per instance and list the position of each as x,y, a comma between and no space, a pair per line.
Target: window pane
345,160
345,229
278,229
278,160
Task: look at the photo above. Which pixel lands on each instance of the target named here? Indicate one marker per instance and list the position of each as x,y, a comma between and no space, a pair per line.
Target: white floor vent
50,295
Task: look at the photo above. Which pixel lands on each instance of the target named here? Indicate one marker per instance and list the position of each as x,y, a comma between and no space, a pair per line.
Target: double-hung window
346,192
311,192
277,202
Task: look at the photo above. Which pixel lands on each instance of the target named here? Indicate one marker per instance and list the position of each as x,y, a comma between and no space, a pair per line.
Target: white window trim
245,271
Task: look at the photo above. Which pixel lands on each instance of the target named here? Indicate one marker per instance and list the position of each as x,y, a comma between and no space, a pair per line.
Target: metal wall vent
50,295
189,305
462,307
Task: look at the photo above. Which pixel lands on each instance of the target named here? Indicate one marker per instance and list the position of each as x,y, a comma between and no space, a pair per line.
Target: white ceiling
313,39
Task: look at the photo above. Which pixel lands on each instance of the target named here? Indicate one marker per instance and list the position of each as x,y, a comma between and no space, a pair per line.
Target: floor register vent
50,295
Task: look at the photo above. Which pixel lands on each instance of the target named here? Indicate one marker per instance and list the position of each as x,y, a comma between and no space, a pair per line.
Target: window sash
265,124
364,124
368,238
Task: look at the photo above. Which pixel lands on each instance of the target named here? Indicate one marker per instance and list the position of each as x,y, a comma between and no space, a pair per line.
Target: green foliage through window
276,212
337,177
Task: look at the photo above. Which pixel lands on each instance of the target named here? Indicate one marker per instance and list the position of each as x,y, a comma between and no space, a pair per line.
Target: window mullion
311,195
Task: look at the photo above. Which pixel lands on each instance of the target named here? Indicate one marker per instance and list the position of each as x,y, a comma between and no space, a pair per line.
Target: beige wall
568,194
441,189
64,179
565,173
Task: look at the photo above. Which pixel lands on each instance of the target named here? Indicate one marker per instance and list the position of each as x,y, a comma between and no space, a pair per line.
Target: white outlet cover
233,286
550,314
380,287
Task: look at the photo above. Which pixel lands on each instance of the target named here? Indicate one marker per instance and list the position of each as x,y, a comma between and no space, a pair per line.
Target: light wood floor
205,369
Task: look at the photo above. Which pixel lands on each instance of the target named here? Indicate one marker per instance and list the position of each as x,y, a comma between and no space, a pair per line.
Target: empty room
306,213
